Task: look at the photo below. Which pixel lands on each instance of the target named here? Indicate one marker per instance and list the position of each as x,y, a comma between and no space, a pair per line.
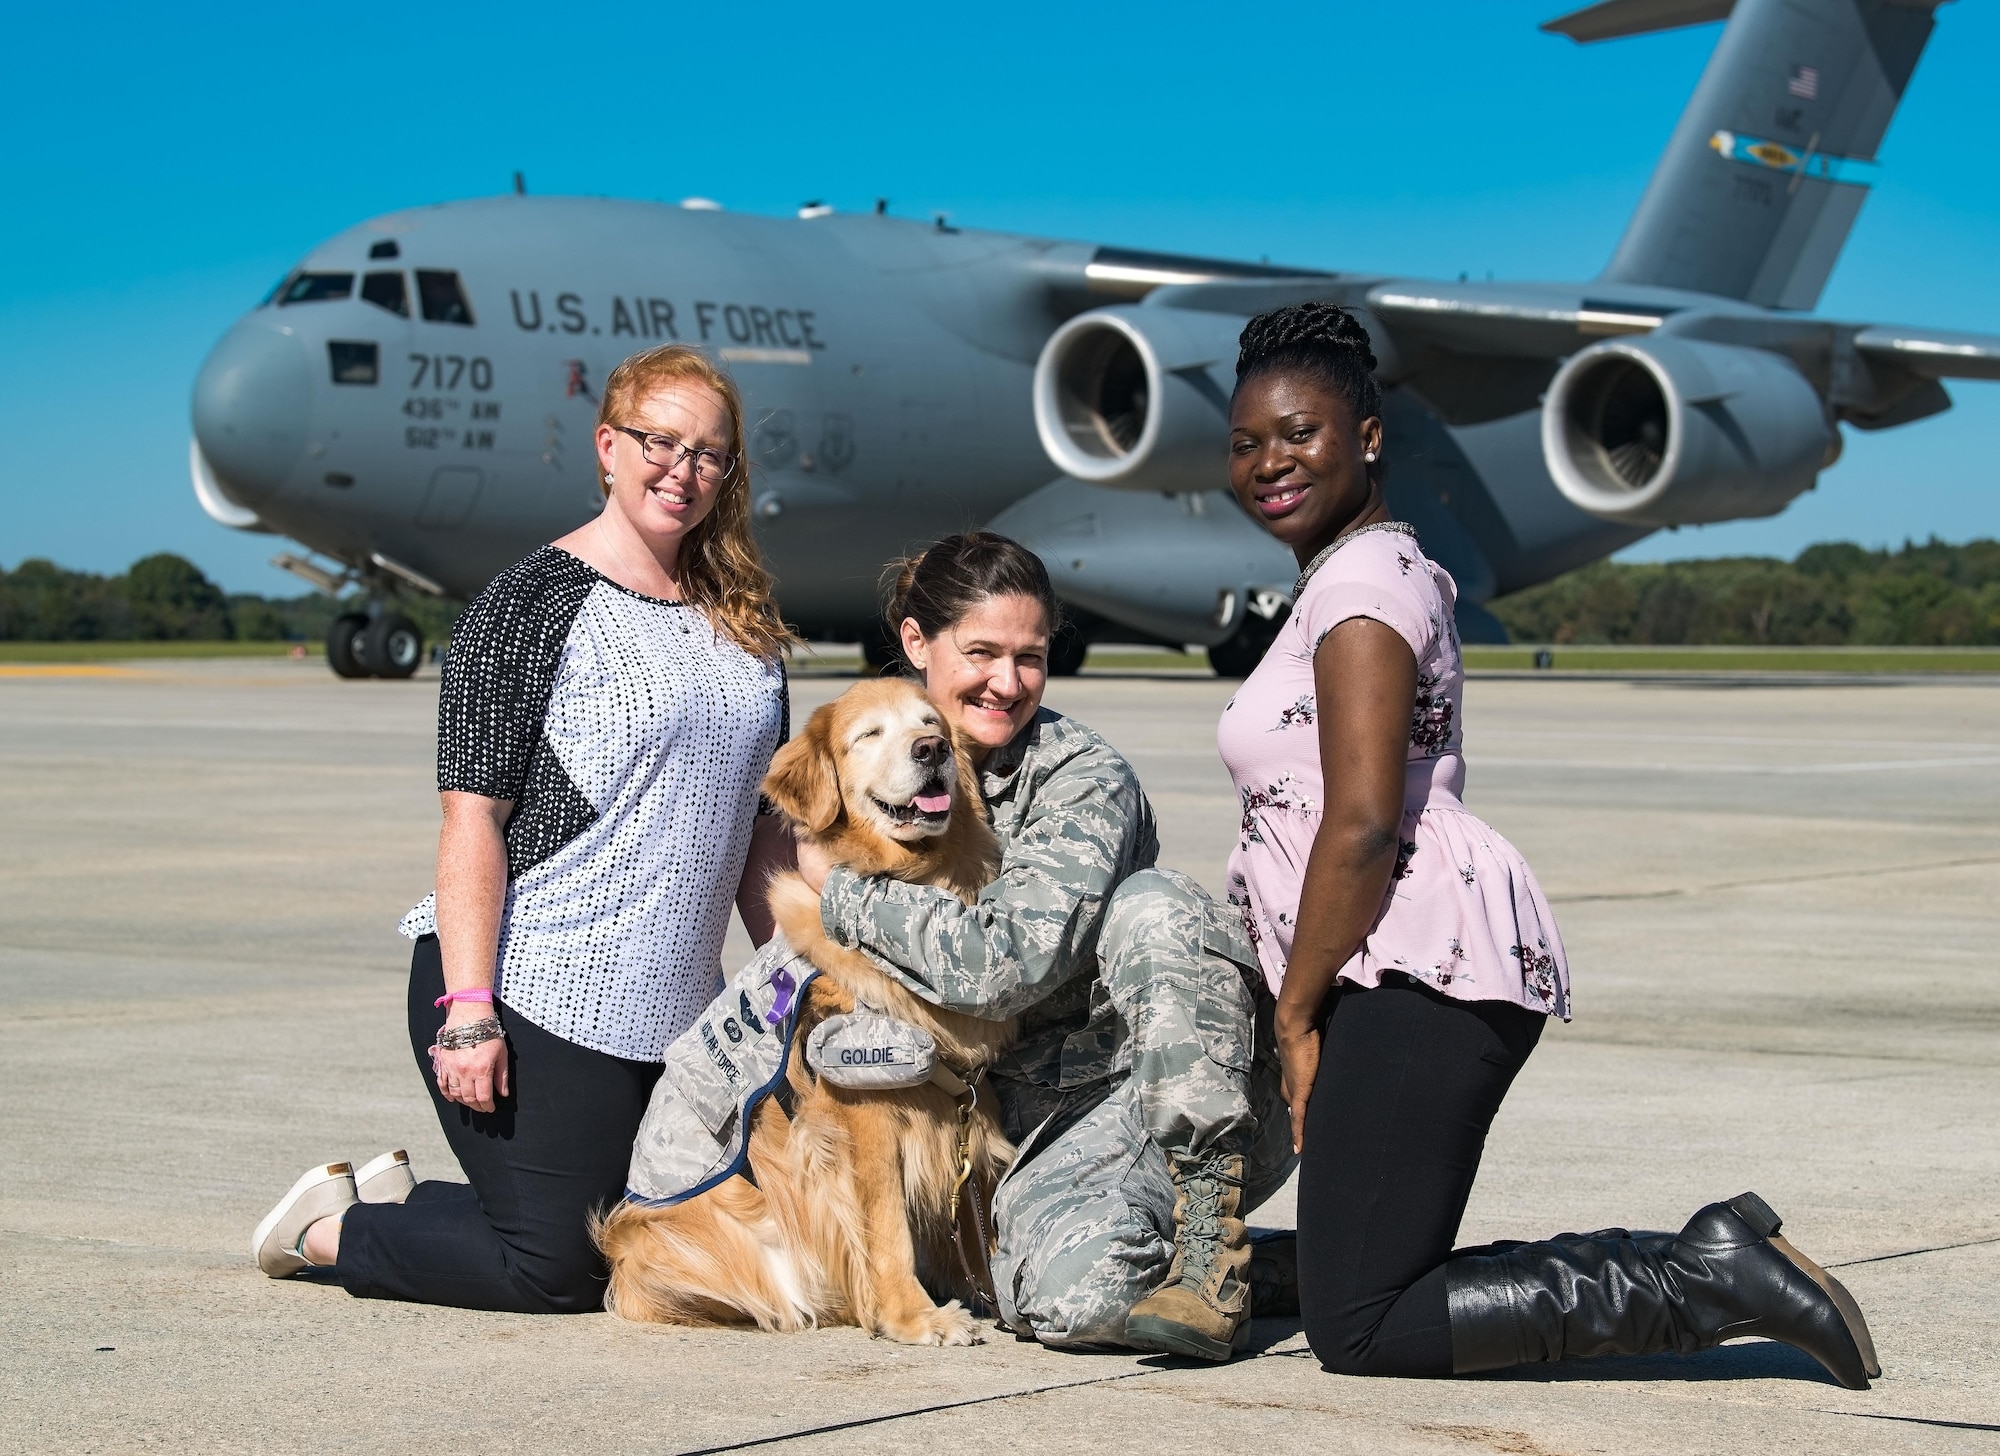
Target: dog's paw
948,1324
955,1326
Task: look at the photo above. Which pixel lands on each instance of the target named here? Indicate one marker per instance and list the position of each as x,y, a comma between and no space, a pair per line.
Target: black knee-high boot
1726,1274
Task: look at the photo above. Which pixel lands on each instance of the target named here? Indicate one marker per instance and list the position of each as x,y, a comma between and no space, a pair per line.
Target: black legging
1408,1084
515,1238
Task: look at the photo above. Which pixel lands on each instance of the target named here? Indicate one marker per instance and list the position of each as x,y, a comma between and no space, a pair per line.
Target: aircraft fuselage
885,364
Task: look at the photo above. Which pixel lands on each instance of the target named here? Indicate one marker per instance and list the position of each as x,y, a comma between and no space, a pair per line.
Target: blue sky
166,164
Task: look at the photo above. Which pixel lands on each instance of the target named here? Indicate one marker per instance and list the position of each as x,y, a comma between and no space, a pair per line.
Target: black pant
552,1151
1408,1084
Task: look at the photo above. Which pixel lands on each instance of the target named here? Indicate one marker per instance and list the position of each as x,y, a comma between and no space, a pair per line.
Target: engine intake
1661,431
1135,397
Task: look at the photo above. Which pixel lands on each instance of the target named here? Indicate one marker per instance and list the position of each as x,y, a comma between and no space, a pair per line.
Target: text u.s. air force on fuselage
660,320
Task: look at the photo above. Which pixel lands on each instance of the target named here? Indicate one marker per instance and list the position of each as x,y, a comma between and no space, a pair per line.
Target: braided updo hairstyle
1321,341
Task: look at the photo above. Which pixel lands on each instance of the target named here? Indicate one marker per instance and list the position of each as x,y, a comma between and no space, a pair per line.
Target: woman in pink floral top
1414,957
1463,913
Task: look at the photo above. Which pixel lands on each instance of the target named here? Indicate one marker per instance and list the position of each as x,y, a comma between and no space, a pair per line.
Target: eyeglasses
713,466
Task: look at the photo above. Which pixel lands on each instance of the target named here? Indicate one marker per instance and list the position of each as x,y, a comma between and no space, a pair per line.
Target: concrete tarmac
1781,909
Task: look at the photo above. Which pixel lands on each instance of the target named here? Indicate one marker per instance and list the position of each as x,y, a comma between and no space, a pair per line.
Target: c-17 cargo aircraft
415,402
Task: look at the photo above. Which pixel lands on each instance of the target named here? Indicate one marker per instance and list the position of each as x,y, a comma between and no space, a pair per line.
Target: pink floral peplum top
1463,913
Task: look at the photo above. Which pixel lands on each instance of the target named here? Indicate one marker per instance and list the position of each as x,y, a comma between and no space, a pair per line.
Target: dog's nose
930,751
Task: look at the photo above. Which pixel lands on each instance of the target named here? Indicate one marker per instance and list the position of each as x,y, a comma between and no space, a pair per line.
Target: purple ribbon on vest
788,989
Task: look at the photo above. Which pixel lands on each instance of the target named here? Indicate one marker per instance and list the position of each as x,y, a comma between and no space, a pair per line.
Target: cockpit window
442,299
316,288
385,249
353,363
386,290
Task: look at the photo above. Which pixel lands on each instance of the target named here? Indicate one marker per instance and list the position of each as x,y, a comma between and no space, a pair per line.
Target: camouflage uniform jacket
1073,824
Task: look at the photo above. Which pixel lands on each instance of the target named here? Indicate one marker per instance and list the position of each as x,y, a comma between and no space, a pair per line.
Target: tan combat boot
1203,1309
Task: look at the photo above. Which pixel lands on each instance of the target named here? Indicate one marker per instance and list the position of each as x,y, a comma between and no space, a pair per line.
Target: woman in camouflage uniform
1133,1090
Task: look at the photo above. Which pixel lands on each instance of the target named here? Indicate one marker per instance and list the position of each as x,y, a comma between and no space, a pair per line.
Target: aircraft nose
252,404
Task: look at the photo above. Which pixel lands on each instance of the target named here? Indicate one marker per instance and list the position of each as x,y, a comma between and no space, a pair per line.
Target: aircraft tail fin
1755,195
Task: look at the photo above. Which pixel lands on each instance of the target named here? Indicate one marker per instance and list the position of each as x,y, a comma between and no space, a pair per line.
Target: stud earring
608,480
1370,457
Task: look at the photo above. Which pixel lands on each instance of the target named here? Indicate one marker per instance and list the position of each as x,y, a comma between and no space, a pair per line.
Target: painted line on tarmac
951,1405
1861,874
1912,1253
68,669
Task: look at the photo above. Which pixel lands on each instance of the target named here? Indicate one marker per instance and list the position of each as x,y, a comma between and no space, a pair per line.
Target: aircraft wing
1526,321
1541,321
1479,350
1932,353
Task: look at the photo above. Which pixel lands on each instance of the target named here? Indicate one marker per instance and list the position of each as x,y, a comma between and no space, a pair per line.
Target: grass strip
1739,659
128,651
1521,658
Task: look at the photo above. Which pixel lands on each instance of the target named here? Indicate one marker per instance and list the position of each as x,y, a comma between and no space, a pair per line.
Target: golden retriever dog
853,1192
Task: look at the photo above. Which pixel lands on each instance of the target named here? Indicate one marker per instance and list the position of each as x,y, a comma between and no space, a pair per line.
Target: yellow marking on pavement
67,669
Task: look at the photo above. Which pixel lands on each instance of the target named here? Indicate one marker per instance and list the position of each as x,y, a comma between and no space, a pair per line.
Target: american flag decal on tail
1804,82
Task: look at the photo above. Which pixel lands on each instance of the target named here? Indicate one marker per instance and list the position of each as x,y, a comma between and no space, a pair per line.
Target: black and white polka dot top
631,737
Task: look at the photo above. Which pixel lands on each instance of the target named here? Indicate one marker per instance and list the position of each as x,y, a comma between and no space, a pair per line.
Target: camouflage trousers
1085,1219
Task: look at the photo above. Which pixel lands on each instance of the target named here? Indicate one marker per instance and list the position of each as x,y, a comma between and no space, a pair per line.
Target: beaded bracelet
471,1034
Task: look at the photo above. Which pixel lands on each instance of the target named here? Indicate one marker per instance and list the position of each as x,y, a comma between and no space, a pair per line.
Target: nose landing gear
387,644
378,642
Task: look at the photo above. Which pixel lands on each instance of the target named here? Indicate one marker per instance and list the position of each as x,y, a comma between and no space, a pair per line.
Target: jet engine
1663,431
1138,397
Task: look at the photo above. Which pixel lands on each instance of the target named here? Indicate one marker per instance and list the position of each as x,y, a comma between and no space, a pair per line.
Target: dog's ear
804,781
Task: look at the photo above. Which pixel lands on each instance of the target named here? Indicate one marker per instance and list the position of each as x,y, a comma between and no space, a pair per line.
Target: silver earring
608,478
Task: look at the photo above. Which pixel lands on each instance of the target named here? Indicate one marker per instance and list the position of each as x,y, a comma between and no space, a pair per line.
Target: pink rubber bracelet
476,993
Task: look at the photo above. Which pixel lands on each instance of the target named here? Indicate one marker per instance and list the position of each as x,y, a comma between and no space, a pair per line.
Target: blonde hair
720,569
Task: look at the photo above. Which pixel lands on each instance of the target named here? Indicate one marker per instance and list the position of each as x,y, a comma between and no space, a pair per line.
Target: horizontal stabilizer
1933,353
1613,18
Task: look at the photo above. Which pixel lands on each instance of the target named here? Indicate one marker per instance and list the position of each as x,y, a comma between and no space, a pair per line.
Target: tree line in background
165,598
1929,595
1838,594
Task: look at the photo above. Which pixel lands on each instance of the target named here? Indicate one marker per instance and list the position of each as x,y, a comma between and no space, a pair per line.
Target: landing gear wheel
392,646
1239,656
1067,649
343,645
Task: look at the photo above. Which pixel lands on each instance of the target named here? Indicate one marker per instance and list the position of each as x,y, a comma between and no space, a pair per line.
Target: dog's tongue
933,803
